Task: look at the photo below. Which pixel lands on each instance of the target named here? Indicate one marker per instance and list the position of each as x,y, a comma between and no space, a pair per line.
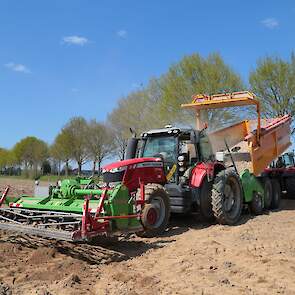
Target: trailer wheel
290,186
227,197
206,201
256,205
276,194
268,192
156,211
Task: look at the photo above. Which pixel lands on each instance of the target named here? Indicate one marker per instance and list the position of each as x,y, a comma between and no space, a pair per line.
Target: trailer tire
268,193
276,194
256,205
290,187
155,212
227,197
206,201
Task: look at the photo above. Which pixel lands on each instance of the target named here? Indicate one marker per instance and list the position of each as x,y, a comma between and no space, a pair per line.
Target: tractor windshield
165,146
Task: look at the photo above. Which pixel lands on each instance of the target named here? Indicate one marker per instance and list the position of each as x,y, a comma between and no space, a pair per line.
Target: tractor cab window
206,151
189,149
165,146
288,160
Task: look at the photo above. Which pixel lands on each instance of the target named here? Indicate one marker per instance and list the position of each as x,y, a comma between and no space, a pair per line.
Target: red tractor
193,174
282,172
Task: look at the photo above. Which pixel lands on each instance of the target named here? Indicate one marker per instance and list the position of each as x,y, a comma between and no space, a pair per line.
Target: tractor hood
119,164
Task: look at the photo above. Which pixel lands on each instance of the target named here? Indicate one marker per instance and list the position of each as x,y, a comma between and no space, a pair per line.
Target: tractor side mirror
193,137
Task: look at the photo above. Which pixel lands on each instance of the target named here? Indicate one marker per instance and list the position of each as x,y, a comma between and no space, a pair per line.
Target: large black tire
206,201
155,212
227,197
268,192
276,194
256,205
290,187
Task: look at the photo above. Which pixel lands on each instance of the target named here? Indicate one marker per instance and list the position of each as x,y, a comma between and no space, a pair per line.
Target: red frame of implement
138,172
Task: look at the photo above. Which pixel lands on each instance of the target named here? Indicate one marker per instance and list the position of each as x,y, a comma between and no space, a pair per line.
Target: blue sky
64,58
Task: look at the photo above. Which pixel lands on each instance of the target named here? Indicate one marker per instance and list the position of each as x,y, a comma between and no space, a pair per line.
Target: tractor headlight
219,156
118,169
180,158
114,175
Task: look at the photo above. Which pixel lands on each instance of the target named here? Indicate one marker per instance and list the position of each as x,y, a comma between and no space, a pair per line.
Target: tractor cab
284,161
180,149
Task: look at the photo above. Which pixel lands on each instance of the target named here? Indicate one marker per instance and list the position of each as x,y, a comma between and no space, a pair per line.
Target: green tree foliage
4,158
139,111
61,149
193,75
31,152
100,143
273,81
159,103
77,129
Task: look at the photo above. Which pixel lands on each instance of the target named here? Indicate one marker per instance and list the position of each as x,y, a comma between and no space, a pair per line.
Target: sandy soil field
255,257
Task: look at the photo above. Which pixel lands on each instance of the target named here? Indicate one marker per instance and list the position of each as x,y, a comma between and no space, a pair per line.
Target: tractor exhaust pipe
131,148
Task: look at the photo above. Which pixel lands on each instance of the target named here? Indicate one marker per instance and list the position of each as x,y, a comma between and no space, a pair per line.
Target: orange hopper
265,143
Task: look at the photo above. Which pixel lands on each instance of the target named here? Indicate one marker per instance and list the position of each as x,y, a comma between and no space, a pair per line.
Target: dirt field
255,257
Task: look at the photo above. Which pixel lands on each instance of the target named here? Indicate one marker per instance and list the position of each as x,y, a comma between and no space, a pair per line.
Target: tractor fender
198,174
201,170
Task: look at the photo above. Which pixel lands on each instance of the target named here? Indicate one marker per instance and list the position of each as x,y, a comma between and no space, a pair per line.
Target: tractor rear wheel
276,194
227,197
268,192
206,201
155,212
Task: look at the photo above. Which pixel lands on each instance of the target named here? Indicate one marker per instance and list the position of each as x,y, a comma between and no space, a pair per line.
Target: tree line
153,106
78,141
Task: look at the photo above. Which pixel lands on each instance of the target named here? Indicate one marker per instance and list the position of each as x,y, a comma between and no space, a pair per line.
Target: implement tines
51,224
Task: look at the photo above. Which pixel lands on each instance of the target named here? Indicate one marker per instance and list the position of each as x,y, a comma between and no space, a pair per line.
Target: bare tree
77,130
61,150
100,143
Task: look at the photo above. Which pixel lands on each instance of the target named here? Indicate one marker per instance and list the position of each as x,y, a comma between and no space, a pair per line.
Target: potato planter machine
78,209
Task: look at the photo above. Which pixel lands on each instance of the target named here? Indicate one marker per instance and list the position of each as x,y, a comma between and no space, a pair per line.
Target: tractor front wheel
156,211
227,197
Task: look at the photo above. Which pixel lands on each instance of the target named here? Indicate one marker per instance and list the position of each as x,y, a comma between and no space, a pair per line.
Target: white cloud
75,40
122,34
17,67
270,23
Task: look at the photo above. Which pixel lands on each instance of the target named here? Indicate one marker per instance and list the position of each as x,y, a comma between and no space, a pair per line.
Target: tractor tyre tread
206,211
150,190
218,197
